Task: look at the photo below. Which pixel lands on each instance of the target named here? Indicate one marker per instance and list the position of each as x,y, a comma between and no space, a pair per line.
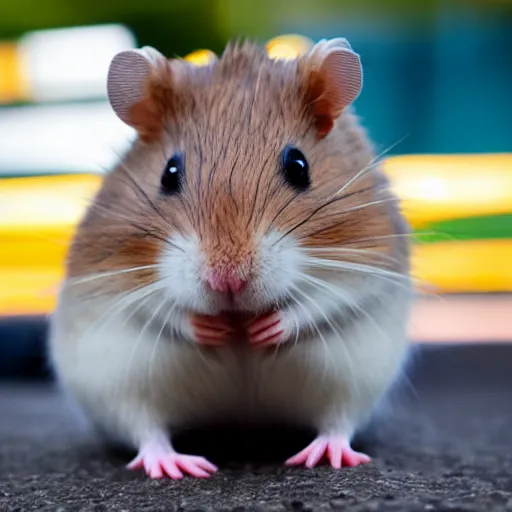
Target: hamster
245,259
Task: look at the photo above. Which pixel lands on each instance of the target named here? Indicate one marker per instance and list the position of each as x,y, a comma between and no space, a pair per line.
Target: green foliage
174,26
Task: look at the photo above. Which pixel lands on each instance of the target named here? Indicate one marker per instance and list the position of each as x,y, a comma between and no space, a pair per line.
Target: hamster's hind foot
211,330
336,448
159,459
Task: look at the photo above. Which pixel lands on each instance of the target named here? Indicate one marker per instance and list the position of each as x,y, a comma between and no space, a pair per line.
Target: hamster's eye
295,168
173,175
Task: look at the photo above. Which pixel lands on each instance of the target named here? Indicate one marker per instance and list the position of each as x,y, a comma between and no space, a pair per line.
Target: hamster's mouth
252,302
250,309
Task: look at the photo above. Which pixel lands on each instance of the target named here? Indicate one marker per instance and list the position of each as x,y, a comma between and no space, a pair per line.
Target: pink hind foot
159,459
336,448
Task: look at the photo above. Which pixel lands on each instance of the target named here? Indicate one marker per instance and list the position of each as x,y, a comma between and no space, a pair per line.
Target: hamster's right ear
136,82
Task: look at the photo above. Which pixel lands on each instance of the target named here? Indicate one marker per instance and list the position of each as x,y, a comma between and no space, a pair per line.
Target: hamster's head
250,183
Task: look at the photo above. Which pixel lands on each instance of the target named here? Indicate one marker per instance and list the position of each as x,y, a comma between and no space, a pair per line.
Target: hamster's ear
132,88
334,79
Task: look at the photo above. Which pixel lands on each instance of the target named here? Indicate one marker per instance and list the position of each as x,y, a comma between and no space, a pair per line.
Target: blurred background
436,100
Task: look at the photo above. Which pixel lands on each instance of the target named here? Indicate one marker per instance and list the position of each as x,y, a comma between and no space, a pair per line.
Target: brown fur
231,120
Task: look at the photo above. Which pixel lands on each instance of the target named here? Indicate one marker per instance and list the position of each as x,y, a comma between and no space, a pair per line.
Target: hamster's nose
226,282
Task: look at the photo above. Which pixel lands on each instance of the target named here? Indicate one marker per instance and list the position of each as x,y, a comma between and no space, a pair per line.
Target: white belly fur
121,379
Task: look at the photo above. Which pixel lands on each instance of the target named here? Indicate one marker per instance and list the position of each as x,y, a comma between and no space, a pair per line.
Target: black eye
172,176
295,169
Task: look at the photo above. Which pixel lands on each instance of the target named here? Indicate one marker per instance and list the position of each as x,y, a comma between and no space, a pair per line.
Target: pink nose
226,282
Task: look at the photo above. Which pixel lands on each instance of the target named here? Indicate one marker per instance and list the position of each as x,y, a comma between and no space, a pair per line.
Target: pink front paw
211,330
336,448
266,330
159,461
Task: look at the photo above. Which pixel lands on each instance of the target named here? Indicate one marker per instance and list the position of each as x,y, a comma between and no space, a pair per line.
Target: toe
268,336
296,460
136,463
263,322
208,332
335,454
192,469
172,470
204,464
352,458
316,454
190,465
301,457
155,471
211,322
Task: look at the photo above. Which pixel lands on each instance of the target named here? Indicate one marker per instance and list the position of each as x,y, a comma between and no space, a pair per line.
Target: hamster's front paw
269,329
210,330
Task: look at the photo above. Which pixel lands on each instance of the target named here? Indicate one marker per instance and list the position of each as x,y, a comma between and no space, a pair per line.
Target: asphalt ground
443,442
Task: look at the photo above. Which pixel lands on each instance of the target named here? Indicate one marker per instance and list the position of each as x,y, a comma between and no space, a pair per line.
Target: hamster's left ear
333,78
137,81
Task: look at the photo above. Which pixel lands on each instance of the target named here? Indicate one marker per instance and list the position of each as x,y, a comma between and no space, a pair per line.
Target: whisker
395,278
374,162
335,292
316,210
356,267
360,174
315,327
145,326
341,219
348,250
124,302
372,203
334,326
151,231
92,277
109,210
386,237
157,340
139,190
297,327
141,332
352,304
320,310
295,321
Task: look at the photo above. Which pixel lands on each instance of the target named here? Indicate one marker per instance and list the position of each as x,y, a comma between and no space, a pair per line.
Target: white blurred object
71,63
72,138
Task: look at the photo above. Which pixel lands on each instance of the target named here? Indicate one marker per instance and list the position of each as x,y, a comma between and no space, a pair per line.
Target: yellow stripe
440,187
44,203
38,216
469,266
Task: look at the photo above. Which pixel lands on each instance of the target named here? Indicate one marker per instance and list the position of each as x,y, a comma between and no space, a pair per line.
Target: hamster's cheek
180,264
280,268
